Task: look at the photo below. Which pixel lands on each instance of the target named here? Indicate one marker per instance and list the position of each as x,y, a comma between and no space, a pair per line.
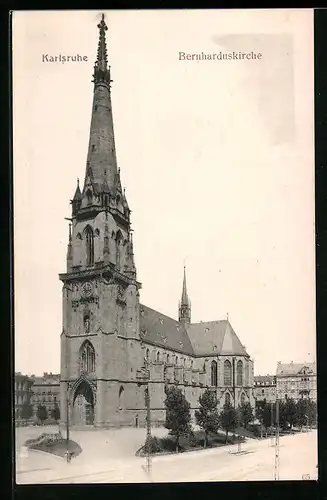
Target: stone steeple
102,185
185,304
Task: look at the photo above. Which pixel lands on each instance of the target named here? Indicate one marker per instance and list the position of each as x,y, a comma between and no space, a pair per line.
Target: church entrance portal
83,407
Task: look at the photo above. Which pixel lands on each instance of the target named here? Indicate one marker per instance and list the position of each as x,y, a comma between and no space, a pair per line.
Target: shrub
154,443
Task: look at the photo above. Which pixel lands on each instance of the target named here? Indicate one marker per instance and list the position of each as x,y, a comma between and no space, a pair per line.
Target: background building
23,392
296,380
111,345
45,391
265,388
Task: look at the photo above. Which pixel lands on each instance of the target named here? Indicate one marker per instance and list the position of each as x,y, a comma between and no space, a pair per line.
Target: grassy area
54,444
187,443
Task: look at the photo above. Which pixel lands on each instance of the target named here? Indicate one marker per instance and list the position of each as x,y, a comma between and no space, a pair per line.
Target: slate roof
207,338
287,369
163,331
215,337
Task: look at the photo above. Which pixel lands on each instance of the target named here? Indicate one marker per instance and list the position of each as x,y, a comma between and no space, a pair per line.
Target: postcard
164,236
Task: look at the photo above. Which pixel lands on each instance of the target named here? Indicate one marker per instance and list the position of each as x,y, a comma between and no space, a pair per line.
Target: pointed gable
215,338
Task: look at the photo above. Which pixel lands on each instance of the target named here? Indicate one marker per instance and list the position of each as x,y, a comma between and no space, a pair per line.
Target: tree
26,411
264,414
228,419
42,413
289,408
312,412
301,413
178,414
207,416
55,413
246,414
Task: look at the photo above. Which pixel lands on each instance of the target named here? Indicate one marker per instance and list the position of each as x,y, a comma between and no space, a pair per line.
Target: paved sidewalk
255,462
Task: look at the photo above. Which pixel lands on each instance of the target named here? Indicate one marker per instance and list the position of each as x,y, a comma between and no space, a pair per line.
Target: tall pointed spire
185,304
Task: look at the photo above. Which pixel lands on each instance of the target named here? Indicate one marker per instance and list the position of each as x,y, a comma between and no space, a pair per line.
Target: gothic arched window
118,241
121,396
87,357
158,356
86,323
89,196
176,360
214,381
227,372
246,381
168,358
242,399
192,364
89,246
147,354
227,398
239,373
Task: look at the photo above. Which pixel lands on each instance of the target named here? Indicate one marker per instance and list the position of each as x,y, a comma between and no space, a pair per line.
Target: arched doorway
83,405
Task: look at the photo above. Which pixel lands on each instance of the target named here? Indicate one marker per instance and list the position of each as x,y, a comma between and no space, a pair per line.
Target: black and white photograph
164,246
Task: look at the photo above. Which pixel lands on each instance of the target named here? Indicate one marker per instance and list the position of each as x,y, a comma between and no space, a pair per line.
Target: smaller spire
78,194
185,305
184,291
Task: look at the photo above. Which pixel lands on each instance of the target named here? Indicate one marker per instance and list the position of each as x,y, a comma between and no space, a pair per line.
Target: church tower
184,310
100,336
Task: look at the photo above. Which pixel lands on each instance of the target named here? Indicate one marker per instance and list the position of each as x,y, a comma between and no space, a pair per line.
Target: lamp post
148,429
68,456
277,442
148,416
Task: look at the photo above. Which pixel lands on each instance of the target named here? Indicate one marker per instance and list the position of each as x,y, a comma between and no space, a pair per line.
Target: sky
217,158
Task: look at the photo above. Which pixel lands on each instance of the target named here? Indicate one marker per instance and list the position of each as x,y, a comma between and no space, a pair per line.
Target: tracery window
89,246
87,357
239,373
227,372
118,242
246,381
89,196
214,377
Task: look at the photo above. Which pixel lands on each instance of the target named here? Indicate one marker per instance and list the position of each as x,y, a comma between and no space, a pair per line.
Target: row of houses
292,380
36,391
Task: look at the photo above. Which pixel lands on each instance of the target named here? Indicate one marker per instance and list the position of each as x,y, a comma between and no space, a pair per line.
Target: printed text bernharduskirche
219,56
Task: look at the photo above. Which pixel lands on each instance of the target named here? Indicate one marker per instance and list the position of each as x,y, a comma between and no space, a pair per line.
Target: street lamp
148,415
277,442
68,455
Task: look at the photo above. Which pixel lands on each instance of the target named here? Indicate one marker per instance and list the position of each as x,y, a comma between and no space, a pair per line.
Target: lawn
165,445
54,444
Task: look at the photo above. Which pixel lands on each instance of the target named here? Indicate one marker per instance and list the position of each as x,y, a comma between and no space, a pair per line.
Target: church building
112,346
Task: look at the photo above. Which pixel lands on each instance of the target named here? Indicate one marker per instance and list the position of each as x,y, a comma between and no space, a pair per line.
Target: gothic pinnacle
102,59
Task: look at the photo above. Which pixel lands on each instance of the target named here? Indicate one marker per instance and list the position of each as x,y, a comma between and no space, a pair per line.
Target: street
108,457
